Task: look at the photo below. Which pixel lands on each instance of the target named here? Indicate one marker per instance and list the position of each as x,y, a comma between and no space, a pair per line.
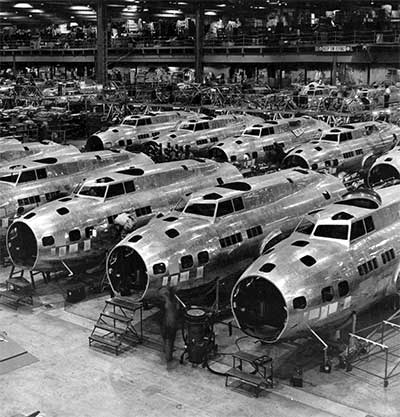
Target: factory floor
69,379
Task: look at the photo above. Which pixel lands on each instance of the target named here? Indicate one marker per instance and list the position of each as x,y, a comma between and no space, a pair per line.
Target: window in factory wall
187,261
299,303
327,294
74,235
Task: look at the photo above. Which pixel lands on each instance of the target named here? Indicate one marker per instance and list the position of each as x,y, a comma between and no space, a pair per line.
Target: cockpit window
332,231
10,178
27,176
187,126
252,132
144,121
224,208
201,126
130,122
306,226
115,190
200,209
330,137
357,230
97,191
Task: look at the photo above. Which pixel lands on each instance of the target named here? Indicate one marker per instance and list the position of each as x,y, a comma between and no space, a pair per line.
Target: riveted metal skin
341,259
136,130
210,239
79,229
346,148
30,182
257,144
200,133
13,149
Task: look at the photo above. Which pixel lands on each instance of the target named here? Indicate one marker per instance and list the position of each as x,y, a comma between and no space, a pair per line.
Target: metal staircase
115,328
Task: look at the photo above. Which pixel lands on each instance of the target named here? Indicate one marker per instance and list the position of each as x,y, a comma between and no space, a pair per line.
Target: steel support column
199,42
334,69
101,57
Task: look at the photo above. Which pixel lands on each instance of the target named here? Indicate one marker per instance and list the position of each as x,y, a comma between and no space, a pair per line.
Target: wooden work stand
260,377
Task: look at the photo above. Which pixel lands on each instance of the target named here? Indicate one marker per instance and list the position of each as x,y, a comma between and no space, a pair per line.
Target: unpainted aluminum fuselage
136,130
257,143
86,230
30,182
342,259
200,133
190,250
385,169
11,151
345,148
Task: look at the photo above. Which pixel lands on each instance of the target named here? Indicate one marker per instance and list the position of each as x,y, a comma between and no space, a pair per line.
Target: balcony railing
265,41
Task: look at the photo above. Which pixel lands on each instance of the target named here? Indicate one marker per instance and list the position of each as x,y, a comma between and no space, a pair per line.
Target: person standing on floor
168,320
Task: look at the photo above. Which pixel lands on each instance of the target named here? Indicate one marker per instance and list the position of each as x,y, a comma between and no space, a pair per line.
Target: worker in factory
169,320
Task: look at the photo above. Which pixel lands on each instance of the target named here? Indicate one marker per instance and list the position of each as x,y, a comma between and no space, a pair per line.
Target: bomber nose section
22,245
219,155
94,143
127,272
259,308
382,173
293,161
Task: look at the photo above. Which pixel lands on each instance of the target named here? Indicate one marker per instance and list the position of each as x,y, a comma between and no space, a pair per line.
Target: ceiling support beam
199,42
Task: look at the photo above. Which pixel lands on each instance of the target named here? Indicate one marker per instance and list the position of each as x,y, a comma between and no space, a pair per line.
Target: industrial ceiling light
23,6
38,11
80,8
132,9
210,13
173,11
86,12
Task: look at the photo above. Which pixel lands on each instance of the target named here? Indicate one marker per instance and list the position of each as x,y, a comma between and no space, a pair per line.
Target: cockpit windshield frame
93,191
253,132
201,209
337,231
330,137
11,178
189,126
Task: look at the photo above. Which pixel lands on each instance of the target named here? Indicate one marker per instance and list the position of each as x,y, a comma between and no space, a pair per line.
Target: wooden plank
109,328
116,316
251,379
105,341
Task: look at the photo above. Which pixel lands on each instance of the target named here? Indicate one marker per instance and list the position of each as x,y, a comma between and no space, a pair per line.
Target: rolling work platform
115,328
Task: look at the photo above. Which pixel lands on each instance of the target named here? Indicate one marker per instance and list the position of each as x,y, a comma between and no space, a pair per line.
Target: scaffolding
375,349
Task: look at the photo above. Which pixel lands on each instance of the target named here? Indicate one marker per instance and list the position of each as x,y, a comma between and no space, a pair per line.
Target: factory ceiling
32,12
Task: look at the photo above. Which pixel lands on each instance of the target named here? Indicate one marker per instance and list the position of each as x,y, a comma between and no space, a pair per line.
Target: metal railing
263,39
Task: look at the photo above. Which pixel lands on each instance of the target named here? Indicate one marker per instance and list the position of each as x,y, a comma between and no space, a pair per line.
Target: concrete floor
72,380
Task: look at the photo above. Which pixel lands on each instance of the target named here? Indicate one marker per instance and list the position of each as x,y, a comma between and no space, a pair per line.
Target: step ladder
19,290
19,274
258,373
115,328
